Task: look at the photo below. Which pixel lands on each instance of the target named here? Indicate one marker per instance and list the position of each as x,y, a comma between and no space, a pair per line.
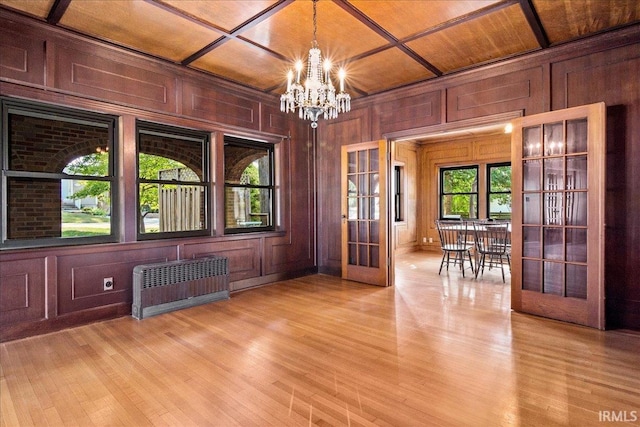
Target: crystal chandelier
317,96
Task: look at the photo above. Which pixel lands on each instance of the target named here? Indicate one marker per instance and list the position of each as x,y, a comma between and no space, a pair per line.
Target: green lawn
77,232
79,224
80,217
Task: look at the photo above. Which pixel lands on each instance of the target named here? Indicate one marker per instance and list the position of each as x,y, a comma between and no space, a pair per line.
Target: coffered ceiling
383,44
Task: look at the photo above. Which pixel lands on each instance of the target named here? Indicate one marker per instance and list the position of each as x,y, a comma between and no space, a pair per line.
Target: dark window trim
398,196
186,134
488,189
441,191
247,143
62,113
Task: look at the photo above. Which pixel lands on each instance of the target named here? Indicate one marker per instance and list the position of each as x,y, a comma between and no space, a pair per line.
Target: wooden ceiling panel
290,32
226,15
490,37
240,62
568,20
404,18
38,8
139,25
384,44
385,70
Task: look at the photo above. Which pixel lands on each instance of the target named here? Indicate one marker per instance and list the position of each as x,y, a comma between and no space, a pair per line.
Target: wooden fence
179,208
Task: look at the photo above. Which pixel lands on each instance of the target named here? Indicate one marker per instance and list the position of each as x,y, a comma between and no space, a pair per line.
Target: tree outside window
499,191
459,193
58,178
172,181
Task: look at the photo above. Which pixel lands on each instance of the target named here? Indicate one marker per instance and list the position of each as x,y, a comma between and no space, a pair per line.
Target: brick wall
236,160
43,145
185,152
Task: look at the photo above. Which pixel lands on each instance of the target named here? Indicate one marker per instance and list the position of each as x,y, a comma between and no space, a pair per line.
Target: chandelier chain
315,20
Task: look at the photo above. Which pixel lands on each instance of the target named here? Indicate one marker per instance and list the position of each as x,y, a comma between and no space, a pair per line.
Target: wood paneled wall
43,289
613,77
406,232
600,68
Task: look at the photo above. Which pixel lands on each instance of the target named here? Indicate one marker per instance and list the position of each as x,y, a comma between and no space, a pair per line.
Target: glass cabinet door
558,223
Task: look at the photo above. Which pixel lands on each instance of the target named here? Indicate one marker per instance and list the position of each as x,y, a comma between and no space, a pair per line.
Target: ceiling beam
356,13
57,10
535,23
183,14
252,22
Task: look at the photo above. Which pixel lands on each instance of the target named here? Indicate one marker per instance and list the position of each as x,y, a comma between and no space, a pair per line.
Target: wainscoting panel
244,256
81,279
22,291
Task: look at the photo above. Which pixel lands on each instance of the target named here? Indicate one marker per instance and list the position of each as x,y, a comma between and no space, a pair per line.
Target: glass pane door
554,196
558,216
363,221
364,177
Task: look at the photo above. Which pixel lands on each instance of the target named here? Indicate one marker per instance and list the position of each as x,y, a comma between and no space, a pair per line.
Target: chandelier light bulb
289,80
298,69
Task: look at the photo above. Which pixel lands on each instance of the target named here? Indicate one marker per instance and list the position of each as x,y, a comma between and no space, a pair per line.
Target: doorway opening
477,145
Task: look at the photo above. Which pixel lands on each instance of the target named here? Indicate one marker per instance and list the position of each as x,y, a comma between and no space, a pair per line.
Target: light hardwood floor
433,350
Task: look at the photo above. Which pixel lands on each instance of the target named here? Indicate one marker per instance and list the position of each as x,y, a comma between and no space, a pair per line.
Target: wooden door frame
439,131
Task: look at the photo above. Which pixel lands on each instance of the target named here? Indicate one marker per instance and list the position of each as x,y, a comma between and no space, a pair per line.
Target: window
459,193
248,185
173,189
398,202
58,181
499,191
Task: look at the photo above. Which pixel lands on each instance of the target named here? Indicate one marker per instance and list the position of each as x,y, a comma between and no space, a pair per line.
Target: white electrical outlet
107,283
424,240
430,239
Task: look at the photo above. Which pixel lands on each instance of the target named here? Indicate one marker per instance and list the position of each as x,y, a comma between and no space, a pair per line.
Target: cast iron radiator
168,286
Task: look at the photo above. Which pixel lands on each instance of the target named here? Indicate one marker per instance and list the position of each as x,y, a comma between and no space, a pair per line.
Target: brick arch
236,160
71,153
46,145
39,144
185,152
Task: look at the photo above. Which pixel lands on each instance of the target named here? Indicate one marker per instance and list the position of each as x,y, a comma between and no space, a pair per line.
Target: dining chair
454,239
492,240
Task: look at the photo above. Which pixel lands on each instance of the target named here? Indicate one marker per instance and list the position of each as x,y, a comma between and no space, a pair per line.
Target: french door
558,215
364,213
